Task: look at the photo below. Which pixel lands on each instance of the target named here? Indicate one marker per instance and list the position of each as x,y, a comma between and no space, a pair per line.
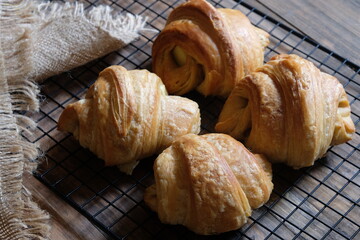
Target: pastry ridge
288,110
127,116
208,183
217,47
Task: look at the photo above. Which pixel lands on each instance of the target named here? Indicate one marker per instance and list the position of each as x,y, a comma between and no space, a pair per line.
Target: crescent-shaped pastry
208,183
127,116
289,111
207,49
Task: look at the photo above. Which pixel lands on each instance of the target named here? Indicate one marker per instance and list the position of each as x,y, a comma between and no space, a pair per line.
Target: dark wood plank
334,24
66,222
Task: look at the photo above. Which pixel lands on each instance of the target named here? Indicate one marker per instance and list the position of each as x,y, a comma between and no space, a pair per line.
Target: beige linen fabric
66,36
38,40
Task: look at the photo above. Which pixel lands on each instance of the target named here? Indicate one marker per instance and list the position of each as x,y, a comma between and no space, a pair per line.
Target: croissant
289,111
208,183
207,49
127,116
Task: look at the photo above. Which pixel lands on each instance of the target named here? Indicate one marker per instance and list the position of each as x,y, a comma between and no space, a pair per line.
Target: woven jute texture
38,40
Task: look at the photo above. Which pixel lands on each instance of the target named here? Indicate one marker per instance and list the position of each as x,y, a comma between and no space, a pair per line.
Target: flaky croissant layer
288,110
208,183
127,116
207,49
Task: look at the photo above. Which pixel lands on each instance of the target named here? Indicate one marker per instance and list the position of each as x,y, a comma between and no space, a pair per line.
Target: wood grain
334,24
66,222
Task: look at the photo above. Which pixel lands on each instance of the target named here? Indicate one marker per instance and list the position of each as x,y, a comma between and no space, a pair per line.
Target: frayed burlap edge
89,34
20,218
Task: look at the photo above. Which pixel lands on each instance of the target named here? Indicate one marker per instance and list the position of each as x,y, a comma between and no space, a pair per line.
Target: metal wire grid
318,202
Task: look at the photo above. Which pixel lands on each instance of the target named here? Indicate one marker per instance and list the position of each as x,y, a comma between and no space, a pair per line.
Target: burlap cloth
38,40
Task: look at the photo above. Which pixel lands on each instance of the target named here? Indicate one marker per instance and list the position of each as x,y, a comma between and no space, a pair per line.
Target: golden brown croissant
127,116
288,110
208,183
207,48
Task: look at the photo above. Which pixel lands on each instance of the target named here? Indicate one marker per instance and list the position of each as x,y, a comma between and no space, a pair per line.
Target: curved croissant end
207,48
127,116
288,110
208,183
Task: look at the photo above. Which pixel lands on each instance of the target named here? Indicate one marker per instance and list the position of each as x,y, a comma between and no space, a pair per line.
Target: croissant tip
150,197
68,120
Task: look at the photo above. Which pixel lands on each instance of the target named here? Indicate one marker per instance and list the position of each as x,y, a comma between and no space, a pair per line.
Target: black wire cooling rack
318,202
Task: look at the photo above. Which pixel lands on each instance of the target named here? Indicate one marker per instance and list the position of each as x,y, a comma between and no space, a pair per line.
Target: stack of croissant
286,111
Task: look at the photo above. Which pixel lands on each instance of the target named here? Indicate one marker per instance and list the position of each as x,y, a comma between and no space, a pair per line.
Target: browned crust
295,111
214,38
208,183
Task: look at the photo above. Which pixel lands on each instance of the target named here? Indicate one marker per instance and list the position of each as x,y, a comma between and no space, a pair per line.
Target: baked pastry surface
289,111
207,49
127,116
208,183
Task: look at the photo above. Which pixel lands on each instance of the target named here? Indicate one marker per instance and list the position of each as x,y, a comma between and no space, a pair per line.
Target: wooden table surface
333,23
